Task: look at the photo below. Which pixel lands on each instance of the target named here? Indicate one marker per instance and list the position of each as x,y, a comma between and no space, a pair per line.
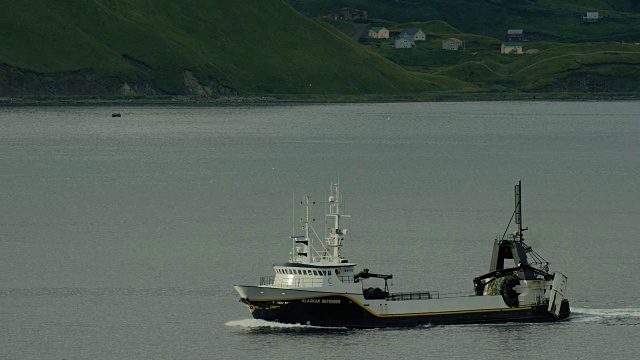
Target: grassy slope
551,65
264,47
483,65
256,46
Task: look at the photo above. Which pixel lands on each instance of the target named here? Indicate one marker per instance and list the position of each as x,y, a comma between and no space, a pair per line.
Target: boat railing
419,295
346,279
457,294
291,282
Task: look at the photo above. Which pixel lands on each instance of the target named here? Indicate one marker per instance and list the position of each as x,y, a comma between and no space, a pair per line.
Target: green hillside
569,56
583,67
249,47
268,48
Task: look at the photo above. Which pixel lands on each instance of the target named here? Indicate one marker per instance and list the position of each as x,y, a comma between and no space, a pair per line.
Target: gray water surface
121,238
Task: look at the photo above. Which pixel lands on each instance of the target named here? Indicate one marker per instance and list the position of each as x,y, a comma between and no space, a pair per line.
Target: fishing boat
319,286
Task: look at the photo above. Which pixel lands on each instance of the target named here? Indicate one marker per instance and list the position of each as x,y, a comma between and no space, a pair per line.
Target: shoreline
295,100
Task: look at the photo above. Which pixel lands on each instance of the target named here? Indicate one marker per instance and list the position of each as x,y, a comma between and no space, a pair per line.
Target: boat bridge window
305,272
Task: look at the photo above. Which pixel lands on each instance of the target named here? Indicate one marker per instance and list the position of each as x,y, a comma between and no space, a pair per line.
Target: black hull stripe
351,315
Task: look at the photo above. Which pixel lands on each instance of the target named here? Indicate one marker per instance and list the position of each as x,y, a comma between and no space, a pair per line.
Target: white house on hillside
379,33
415,33
511,48
453,44
591,17
405,42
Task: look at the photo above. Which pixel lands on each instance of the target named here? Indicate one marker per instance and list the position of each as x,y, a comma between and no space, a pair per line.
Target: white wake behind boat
318,286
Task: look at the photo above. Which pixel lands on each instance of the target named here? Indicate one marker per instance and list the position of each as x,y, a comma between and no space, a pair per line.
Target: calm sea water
121,238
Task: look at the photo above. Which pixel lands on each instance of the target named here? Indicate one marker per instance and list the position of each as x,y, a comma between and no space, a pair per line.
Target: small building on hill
379,33
453,44
415,33
346,14
405,42
514,35
511,48
591,17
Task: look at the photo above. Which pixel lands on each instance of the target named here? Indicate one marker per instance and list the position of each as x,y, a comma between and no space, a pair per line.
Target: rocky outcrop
19,82
193,86
138,90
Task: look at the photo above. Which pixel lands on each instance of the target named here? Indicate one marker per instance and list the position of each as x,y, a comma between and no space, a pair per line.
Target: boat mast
302,250
301,254
518,200
513,246
305,244
336,234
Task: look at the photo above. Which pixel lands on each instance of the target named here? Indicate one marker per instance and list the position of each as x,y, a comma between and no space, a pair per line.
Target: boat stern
558,305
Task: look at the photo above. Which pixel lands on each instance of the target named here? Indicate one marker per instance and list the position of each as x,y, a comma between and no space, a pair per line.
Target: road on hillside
359,30
481,63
